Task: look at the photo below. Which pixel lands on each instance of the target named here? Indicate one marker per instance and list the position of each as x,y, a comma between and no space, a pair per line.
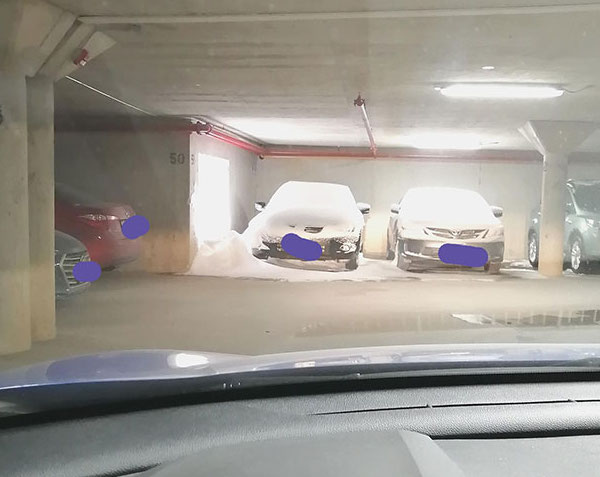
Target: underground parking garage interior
252,179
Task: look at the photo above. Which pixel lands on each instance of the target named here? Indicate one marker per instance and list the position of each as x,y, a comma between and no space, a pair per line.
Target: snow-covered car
429,217
321,212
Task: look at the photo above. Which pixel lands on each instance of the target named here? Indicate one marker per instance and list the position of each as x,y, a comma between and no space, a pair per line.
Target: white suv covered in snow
429,217
321,212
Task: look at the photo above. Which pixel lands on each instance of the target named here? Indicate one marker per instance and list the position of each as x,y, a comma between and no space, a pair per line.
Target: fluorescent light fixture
500,91
488,67
447,141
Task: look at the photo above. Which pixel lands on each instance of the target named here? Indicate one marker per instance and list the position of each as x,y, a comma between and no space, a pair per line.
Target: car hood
139,365
65,243
297,218
453,223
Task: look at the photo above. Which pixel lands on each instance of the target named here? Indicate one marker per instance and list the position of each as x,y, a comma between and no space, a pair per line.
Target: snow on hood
338,219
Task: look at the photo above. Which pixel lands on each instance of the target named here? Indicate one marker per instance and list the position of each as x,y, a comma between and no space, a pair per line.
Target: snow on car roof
314,193
301,185
441,191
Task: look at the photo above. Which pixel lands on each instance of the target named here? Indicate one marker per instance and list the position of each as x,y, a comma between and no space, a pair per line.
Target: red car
96,224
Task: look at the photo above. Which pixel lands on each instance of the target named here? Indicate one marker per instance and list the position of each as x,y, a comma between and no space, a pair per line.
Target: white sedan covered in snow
326,214
429,217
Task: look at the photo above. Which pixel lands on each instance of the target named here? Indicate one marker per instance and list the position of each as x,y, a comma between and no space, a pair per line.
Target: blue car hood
138,365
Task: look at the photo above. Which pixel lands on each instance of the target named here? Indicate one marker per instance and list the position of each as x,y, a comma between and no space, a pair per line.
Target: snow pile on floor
227,257
231,257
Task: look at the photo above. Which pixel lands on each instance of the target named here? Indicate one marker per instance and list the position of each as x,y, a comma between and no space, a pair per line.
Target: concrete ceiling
293,82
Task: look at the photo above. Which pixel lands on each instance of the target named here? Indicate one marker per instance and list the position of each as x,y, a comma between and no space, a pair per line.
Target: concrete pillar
552,219
14,222
555,140
40,121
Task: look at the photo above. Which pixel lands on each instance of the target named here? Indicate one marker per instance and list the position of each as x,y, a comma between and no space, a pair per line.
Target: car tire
493,268
352,263
533,250
577,261
402,262
260,254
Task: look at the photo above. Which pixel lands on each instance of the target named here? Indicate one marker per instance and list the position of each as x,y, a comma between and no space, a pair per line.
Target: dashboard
516,429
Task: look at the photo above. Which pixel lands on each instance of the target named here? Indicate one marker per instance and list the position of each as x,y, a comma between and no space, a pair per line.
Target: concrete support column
552,220
15,327
555,140
40,121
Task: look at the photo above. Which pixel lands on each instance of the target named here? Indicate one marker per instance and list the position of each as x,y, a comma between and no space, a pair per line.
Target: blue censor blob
466,255
87,271
301,248
135,226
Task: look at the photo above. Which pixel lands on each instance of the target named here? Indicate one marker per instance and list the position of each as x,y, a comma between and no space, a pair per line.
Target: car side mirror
497,211
395,208
260,206
364,208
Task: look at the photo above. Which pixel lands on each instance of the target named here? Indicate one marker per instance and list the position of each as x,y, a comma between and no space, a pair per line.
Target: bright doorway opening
211,207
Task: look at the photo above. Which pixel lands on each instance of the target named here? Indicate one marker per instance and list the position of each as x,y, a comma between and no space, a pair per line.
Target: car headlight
593,223
348,247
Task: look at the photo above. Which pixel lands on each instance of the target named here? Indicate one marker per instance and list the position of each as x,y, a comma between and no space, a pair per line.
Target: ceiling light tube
500,91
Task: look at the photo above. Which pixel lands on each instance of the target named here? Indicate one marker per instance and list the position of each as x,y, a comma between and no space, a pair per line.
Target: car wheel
577,258
402,263
493,268
533,250
352,264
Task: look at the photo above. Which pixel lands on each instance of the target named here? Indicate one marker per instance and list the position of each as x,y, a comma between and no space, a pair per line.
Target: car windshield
320,195
587,197
224,179
430,204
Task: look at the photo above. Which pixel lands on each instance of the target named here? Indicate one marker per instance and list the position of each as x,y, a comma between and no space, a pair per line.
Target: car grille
465,234
279,248
68,263
313,230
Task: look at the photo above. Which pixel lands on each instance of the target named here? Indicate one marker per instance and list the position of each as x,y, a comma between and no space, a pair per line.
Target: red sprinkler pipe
210,130
362,153
360,102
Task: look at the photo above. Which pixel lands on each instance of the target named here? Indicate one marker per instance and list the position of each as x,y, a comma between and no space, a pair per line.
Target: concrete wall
136,168
145,170
514,186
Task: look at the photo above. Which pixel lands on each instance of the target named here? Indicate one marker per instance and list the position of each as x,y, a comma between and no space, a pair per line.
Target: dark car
68,252
317,211
95,223
582,227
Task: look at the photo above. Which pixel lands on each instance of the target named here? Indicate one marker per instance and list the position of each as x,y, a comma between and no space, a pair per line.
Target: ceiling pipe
211,130
334,16
360,102
325,152
403,154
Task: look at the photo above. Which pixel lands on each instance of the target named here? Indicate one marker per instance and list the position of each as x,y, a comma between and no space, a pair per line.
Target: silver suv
582,227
